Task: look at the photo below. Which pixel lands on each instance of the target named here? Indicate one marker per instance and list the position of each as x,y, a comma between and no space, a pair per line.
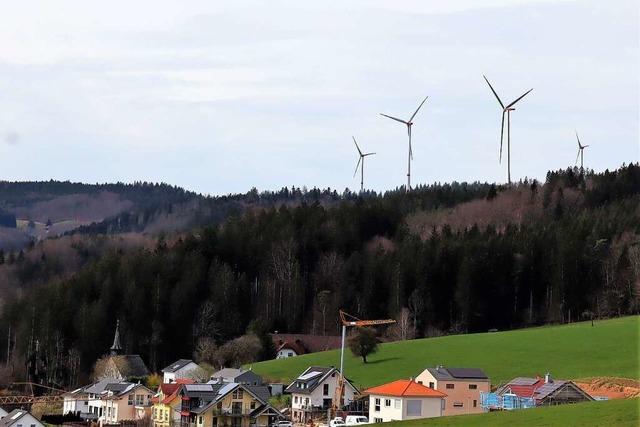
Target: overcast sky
221,96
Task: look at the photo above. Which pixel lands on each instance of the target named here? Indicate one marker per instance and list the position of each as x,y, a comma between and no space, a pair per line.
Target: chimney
547,378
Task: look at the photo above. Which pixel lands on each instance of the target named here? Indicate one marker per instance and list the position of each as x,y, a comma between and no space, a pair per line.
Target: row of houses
436,391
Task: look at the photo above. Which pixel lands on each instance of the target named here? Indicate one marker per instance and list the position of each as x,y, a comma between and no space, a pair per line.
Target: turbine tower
409,123
580,152
361,159
506,110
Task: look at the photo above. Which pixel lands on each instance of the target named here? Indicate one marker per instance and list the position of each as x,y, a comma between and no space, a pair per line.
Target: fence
496,402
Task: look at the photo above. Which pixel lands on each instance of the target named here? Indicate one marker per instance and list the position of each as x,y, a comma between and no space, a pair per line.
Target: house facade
461,385
313,391
76,403
403,400
180,369
125,401
166,404
19,418
226,404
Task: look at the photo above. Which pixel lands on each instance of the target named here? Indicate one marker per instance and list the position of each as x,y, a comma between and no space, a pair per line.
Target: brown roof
302,343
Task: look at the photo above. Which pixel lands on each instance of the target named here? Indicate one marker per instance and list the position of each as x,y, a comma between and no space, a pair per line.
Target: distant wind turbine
361,159
580,152
409,123
506,110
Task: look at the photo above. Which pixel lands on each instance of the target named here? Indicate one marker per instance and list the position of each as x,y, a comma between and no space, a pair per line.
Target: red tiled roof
170,390
302,343
405,388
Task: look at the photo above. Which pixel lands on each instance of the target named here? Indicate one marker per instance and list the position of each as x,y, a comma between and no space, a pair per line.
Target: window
199,420
431,384
387,403
473,386
450,386
414,408
166,415
325,389
238,394
457,404
290,354
376,406
252,405
306,401
396,403
295,399
377,420
236,408
130,400
475,403
139,399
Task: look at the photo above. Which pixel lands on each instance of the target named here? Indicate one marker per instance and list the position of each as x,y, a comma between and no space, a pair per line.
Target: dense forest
562,250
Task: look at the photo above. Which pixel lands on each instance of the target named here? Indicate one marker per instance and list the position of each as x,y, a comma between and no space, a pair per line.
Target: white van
356,420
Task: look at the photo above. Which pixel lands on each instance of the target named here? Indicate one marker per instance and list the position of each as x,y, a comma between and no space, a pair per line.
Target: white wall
396,408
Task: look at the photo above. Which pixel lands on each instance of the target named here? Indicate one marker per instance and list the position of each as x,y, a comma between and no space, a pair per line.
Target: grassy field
579,350
624,412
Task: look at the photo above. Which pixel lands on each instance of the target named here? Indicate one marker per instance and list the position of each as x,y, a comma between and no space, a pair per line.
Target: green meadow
578,350
619,413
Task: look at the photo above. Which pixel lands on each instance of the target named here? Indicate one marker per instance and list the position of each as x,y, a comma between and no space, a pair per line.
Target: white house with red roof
404,400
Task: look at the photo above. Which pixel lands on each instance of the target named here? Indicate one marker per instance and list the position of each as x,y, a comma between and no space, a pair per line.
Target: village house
313,391
19,418
545,391
240,376
404,400
291,345
167,404
179,369
226,404
461,385
125,401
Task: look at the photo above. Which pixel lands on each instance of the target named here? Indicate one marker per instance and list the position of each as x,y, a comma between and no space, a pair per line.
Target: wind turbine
506,110
409,123
361,159
580,152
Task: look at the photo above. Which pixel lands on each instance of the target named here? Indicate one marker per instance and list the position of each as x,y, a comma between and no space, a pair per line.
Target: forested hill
461,258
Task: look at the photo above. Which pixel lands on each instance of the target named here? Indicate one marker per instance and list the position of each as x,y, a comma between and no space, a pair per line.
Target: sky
222,96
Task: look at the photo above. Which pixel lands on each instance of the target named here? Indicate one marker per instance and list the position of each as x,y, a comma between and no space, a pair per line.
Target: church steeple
116,348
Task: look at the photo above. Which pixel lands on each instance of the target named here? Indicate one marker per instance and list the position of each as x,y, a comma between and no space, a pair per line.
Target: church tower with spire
116,348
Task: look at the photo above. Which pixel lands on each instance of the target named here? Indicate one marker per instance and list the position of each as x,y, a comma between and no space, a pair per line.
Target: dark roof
260,393
441,373
12,417
266,409
179,364
206,392
136,367
313,377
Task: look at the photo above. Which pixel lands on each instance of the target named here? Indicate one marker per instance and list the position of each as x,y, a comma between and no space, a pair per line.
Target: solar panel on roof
198,387
466,373
523,381
310,375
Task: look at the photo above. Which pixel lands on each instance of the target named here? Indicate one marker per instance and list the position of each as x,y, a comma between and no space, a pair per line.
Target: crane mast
349,321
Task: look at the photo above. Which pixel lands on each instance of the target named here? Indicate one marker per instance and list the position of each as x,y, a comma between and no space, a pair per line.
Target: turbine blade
393,118
513,103
501,136
578,138
414,114
368,154
357,165
354,141
577,156
584,146
494,92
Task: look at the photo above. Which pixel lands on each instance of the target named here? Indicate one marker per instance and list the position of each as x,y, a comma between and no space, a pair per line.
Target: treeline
292,268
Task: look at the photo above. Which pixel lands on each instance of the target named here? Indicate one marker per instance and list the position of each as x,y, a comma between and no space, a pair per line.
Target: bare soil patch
611,387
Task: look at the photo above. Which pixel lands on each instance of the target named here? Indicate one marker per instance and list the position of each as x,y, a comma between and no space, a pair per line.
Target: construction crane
29,399
347,321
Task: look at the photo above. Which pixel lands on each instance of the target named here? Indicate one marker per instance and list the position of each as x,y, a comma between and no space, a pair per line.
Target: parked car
336,422
356,420
282,423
